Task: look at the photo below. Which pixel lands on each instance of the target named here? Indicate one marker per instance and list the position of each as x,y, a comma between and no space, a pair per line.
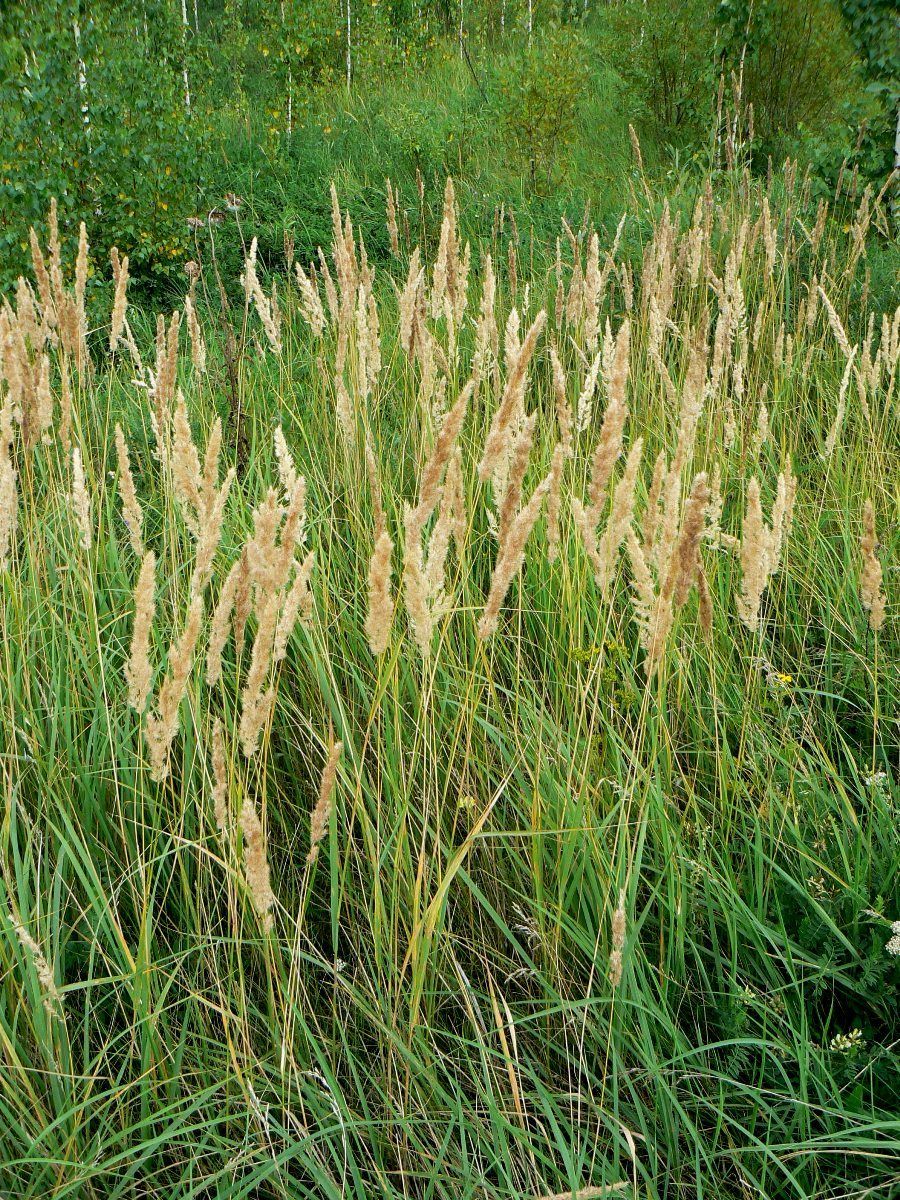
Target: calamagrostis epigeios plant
310,302
318,821
609,444
266,306
198,345
81,500
212,519
422,584
132,514
511,401
381,604
870,579
520,452
655,608
256,864
835,430
686,560
393,232
51,997
9,496
297,606
220,777
619,519
256,698
186,474
755,556
510,557
138,671
162,724
218,631
618,942
120,299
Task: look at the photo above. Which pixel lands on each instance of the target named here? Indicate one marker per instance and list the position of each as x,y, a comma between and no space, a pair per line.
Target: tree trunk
82,85
184,30
349,60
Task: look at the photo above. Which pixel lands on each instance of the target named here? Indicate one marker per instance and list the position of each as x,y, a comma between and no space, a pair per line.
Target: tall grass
449,720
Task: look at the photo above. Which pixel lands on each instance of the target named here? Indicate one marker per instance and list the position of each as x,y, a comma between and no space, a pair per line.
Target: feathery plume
220,777
619,520
686,561
243,596
65,407
186,474
298,605
782,516
162,725
81,501
651,512
835,430
837,327
198,346
381,604
256,864
255,702
440,456
585,407
52,1000
643,596
131,508
513,394
606,452
138,672
120,301
618,941
287,472
218,630
755,559
870,579
519,455
310,302
318,822
510,557
9,499
393,233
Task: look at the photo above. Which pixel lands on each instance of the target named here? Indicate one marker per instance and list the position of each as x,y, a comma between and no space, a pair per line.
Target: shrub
797,60
538,95
665,52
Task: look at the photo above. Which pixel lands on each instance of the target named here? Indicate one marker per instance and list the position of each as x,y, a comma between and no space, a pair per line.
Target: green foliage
94,114
797,60
539,98
875,29
665,52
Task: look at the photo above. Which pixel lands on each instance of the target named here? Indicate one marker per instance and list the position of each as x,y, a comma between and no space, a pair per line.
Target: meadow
449,709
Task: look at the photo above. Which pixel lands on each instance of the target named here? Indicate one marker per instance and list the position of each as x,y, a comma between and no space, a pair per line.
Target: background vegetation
139,116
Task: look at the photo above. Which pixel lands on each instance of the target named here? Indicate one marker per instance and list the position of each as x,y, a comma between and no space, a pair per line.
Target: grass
431,1013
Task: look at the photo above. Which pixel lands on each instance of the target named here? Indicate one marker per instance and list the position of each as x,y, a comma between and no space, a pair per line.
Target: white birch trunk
349,59
184,31
82,84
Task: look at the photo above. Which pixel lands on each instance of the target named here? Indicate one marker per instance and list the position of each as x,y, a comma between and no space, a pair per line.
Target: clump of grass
587,471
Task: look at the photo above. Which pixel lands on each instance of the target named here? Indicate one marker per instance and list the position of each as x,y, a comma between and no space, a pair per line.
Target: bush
665,52
798,63
538,95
